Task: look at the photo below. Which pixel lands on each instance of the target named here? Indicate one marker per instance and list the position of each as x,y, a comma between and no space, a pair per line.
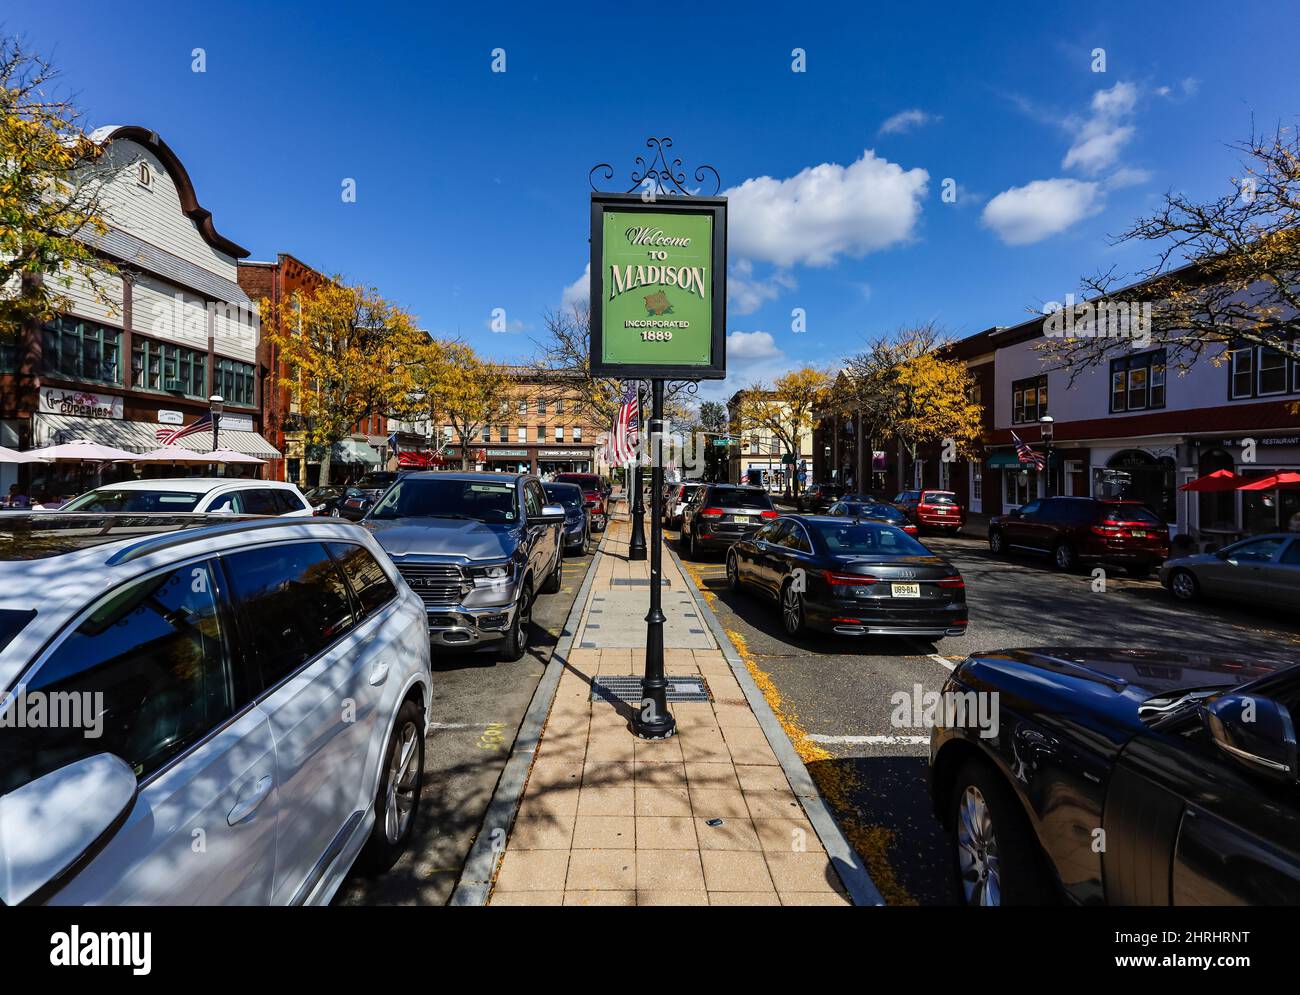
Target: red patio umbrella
1284,479
1216,482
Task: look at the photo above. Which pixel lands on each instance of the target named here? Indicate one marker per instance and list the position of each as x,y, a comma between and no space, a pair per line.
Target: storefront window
233,380
81,350
1136,475
163,366
1021,486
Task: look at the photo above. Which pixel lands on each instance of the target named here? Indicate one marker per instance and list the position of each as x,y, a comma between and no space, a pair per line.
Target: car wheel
692,552
398,797
996,543
733,571
516,644
555,579
995,855
792,610
1184,586
1064,556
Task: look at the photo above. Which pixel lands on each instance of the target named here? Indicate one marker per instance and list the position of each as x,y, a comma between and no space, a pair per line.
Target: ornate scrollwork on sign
655,175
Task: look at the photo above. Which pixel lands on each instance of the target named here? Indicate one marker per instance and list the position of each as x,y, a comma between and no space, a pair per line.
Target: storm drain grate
620,688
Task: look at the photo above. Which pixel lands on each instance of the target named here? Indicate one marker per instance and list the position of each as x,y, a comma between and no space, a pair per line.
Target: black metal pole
216,420
636,545
653,720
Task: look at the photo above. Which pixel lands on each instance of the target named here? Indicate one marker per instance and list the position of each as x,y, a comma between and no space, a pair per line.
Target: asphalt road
478,704
833,694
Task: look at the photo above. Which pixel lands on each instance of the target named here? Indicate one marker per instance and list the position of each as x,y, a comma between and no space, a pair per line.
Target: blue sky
472,185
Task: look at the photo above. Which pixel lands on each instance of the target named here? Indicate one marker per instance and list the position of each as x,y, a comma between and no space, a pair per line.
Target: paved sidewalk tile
705,817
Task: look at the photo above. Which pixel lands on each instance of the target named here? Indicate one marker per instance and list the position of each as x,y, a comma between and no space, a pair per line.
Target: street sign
722,442
658,287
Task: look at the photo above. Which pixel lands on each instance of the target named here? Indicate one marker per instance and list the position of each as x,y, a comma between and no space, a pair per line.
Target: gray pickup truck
476,548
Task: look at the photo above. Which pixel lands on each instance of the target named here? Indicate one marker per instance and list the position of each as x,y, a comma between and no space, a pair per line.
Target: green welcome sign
658,287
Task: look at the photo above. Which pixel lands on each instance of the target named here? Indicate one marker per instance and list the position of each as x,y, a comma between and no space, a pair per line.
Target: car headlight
493,575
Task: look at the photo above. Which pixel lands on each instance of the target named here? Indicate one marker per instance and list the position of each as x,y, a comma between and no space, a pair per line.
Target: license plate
905,590
1137,534
945,511
740,519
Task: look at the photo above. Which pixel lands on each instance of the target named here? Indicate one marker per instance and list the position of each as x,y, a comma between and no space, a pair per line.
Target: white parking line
871,740
941,660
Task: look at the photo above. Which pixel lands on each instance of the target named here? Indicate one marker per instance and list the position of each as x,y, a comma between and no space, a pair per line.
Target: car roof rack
154,544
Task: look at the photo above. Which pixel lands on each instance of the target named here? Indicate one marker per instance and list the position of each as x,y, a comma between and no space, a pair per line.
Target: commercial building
148,348
761,458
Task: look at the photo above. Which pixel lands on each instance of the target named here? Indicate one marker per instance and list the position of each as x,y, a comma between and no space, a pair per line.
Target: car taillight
1121,529
910,529
848,580
925,507
767,514
950,582
711,513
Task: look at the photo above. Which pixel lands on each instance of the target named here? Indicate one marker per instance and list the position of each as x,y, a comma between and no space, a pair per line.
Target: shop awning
1007,459
142,437
354,451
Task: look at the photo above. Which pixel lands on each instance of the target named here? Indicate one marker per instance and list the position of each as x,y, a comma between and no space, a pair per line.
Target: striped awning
141,437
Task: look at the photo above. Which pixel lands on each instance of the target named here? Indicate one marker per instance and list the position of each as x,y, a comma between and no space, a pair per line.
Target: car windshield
739,497
588,482
866,538
375,481
877,511
124,499
431,497
322,493
940,497
568,496
1129,513
12,621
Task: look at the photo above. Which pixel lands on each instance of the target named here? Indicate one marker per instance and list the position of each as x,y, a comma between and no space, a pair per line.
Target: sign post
658,312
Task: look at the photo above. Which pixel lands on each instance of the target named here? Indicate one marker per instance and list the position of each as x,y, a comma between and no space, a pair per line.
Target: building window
541,406
1137,383
163,366
976,482
81,350
1028,400
559,406
503,434
1260,371
523,405
577,433
521,433
487,433
1022,487
144,175
233,380
1272,372
559,433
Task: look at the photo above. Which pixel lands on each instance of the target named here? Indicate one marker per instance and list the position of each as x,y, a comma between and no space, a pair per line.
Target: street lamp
1046,428
215,404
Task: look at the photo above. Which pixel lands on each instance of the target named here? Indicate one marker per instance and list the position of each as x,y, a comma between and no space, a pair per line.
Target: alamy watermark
23,709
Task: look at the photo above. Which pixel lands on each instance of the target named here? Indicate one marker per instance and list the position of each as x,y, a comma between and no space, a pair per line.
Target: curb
862,890
475,884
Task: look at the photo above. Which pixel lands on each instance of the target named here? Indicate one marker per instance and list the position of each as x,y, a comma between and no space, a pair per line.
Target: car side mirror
1221,554
1255,731
552,514
48,825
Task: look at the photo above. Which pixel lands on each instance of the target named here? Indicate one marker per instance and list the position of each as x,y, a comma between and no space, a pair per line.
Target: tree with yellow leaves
455,386
349,354
908,391
49,197
786,410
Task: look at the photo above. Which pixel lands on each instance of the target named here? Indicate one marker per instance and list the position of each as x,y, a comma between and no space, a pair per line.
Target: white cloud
751,347
825,212
1030,213
905,121
578,293
745,294
1099,138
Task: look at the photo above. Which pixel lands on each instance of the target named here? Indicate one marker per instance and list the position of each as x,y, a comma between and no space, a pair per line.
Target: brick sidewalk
610,819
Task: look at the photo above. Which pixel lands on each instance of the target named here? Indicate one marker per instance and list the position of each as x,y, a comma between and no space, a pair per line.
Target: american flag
1027,454
625,434
169,435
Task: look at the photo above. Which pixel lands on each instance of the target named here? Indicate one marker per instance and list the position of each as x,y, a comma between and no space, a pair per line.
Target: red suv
1074,530
593,495
932,509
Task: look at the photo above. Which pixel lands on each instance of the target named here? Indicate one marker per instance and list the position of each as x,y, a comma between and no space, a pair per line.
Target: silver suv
476,548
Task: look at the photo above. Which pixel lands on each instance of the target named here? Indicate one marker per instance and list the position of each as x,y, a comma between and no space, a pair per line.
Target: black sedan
873,511
325,501
855,578
1123,777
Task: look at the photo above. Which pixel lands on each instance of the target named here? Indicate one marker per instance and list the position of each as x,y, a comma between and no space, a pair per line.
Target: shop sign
507,453
166,417
564,454
81,403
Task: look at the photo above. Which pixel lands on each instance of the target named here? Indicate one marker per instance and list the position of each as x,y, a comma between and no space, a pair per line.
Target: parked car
202,662
854,578
1263,569
675,503
577,520
595,491
181,495
324,501
819,497
1198,804
358,498
932,509
719,514
873,511
1080,530
476,548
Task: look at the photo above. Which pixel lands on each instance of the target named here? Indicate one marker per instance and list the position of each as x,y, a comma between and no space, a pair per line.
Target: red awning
1216,482
1286,479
